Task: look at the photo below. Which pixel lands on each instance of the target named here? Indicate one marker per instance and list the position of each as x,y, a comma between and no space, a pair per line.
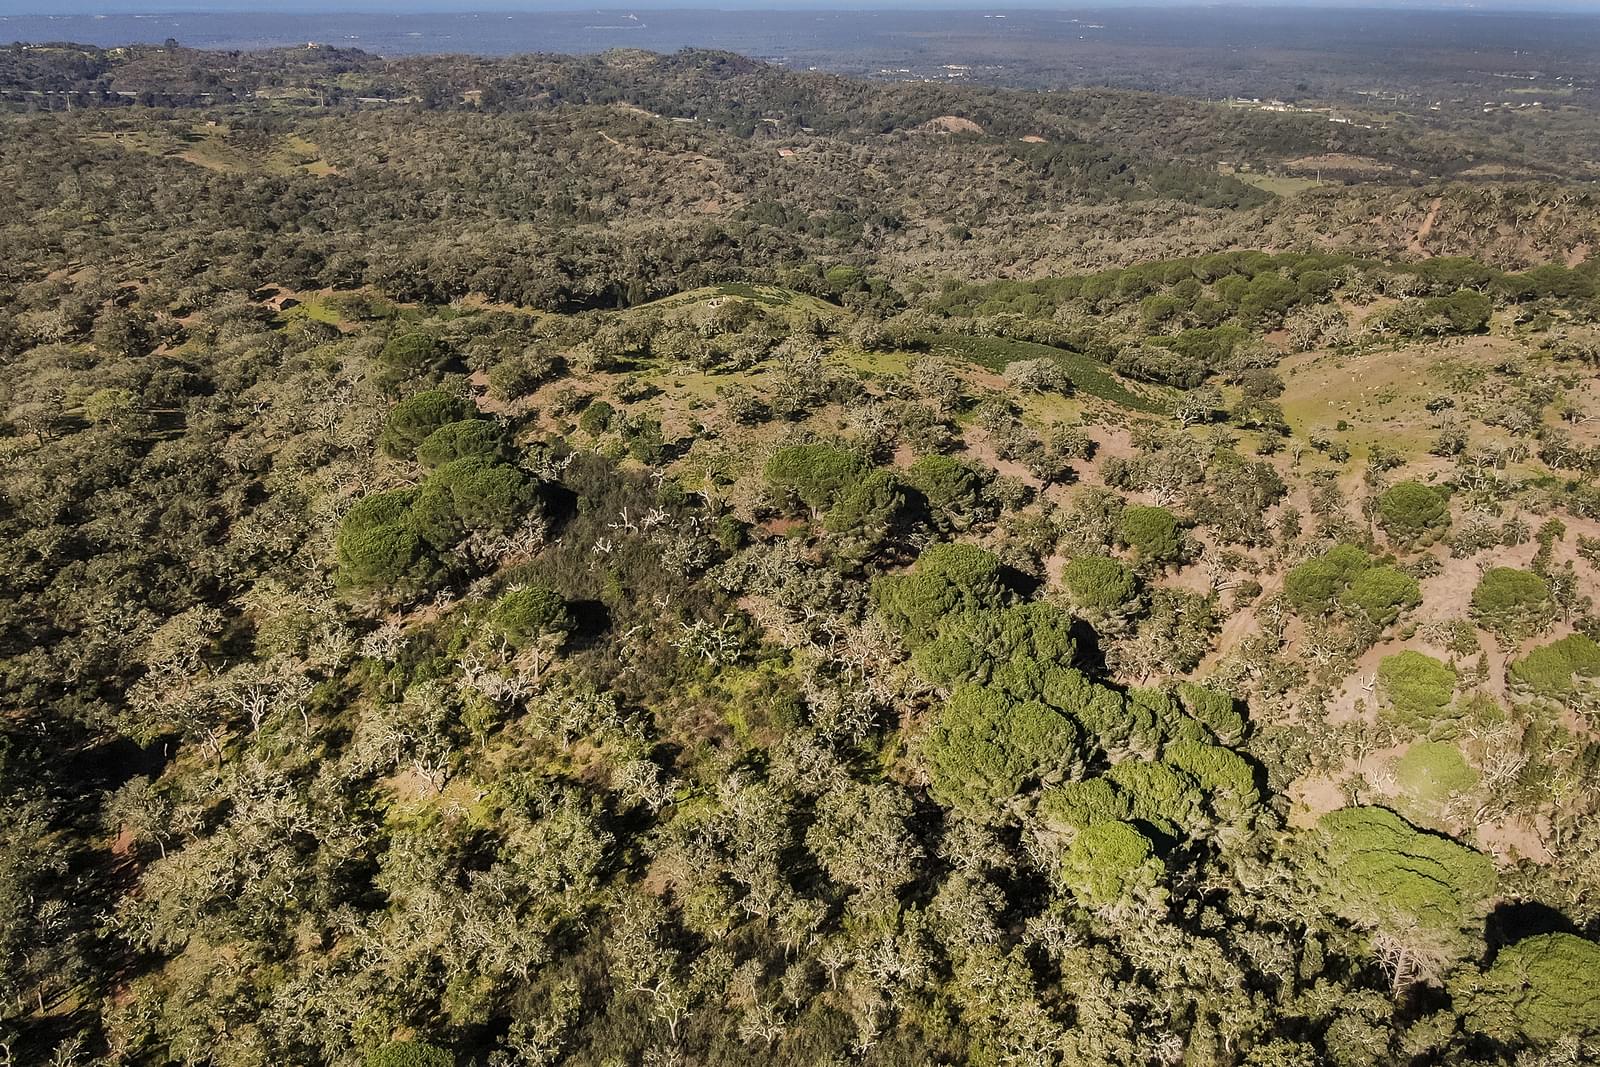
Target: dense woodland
495,575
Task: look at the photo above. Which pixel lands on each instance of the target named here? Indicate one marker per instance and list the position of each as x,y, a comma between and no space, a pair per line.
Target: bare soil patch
1416,244
981,449
1313,797
948,124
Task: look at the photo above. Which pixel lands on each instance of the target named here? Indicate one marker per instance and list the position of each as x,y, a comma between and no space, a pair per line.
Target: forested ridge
495,575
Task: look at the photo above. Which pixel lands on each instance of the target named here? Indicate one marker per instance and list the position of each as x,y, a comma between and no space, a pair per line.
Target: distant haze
125,7
1281,50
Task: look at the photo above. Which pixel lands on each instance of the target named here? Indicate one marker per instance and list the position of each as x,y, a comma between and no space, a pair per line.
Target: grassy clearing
318,308
349,308
695,384
212,148
314,163
1280,185
771,298
878,364
1088,376
1381,396
1042,409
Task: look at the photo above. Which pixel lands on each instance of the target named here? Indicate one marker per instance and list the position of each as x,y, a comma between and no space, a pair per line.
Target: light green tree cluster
468,438
986,746
1422,897
408,356
401,538
1346,578
1512,604
1412,513
954,491
1021,714
411,421
1116,822
1110,861
1008,648
1557,670
1416,689
409,1054
468,496
1431,773
1543,988
528,613
867,515
1218,710
1152,533
949,579
1101,589
812,474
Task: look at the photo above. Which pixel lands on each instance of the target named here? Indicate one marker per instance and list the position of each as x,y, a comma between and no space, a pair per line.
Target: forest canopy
673,560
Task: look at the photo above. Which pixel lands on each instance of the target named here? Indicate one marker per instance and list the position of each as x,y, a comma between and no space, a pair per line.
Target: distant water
499,33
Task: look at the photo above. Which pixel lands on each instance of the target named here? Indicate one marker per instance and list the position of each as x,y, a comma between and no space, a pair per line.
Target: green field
210,146
1280,185
771,297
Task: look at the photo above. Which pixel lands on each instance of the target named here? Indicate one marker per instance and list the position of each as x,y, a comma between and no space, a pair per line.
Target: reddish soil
1507,840
1110,442
1313,797
981,449
1416,244
782,527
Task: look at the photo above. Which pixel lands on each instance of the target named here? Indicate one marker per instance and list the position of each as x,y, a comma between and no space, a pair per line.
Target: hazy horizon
80,8
1041,47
